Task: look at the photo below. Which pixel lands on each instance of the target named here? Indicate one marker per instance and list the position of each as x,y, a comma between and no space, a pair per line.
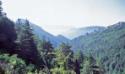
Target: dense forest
23,52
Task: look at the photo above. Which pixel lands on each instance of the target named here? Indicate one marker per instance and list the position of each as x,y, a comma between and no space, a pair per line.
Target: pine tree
60,63
28,49
1,8
27,40
7,32
66,50
79,58
46,50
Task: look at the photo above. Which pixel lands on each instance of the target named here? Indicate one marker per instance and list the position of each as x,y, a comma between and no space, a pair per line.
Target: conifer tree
1,8
60,63
28,49
66,50
47,52
3,14
7,32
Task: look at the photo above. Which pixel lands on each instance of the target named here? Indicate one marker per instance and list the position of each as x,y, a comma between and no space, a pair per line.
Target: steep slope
108,46
42,34
73,33
106,38
62,39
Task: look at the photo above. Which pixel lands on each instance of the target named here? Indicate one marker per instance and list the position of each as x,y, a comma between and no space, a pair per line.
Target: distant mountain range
66,38
92,40
73,33
105,43
42,34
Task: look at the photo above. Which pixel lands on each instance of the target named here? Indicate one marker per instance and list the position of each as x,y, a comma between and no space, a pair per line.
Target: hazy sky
57,16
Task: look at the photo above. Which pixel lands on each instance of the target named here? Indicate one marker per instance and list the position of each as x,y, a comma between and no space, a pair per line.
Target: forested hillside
42,34
108,46
27,49
74,33
23,52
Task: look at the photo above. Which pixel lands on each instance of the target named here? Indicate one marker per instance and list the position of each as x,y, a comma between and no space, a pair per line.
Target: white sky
58,16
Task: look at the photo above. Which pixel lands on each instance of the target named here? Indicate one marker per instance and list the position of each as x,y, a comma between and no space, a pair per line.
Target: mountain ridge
74,33
107,46
42,34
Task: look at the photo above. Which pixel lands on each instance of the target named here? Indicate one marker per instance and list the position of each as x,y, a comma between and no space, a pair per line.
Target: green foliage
79,56
107,47
11,64
103,50
86,67
14,65
27,45
60,62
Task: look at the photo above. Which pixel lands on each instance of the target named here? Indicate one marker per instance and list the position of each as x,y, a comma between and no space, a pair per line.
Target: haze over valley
62,37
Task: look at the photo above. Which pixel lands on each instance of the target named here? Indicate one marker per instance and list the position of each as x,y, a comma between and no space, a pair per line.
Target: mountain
73,33
62,39
42,34
108,46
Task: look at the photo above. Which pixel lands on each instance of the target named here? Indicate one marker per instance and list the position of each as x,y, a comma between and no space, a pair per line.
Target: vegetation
106,46
22,52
